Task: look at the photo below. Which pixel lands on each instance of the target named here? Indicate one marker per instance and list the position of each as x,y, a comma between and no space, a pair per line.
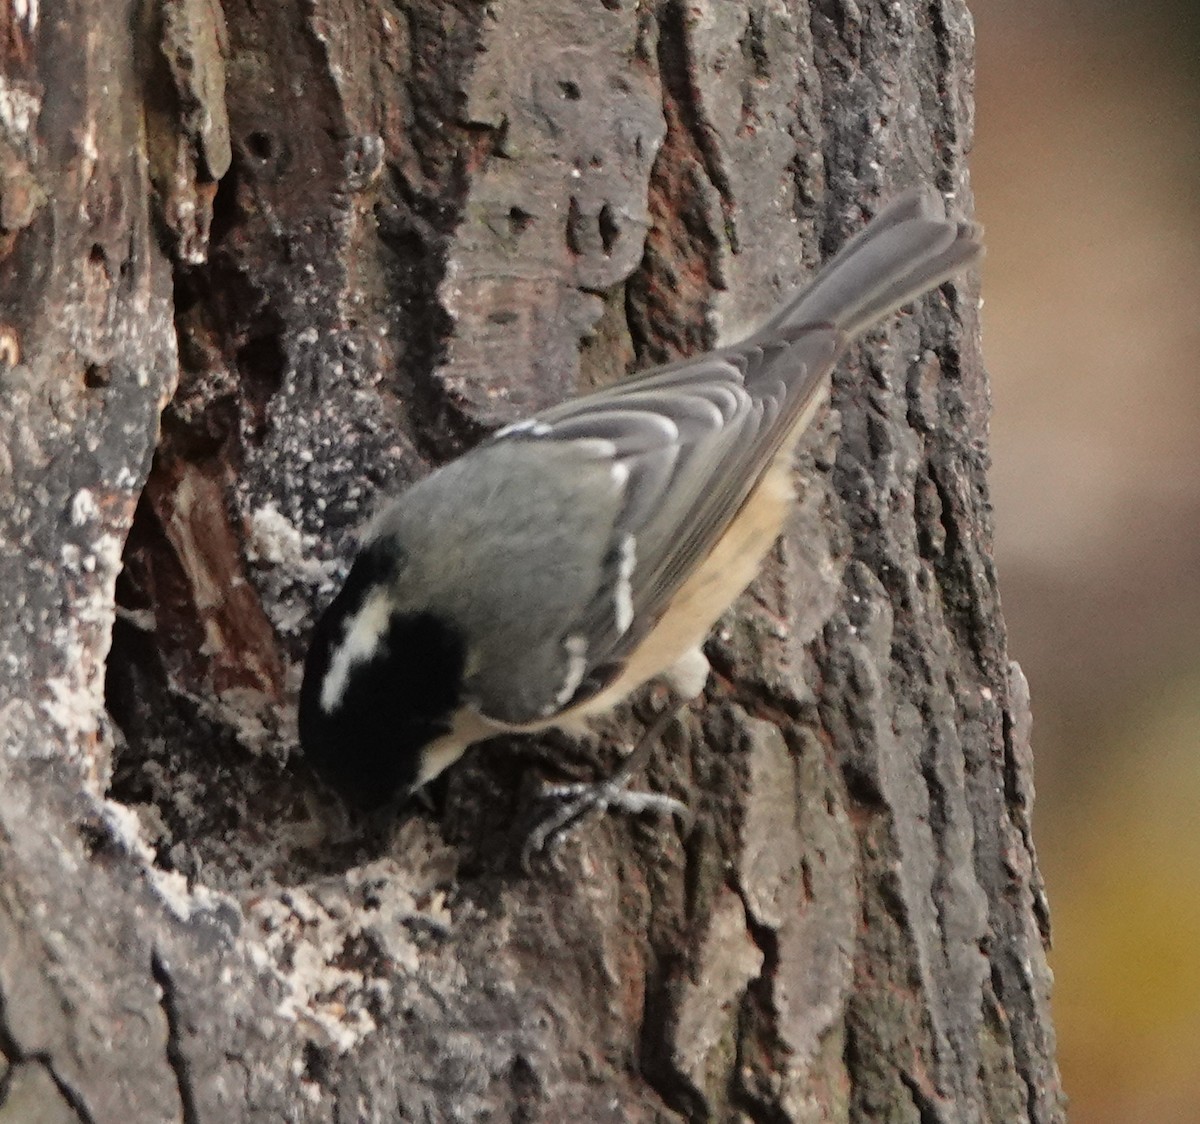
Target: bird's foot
581,801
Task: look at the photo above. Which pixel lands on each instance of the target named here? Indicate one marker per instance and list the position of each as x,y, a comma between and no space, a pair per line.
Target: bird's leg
577,802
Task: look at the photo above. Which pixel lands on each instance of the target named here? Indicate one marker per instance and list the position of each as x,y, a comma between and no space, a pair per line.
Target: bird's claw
582,800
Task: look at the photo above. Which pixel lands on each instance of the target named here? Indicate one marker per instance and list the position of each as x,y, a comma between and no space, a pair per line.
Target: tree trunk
258,265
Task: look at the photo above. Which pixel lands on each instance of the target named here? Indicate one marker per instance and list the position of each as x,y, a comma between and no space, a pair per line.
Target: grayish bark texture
257,264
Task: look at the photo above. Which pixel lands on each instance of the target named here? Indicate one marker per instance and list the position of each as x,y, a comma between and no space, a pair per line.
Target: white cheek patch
361,640
623,594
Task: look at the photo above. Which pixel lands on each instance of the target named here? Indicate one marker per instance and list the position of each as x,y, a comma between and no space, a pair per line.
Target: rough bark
257,264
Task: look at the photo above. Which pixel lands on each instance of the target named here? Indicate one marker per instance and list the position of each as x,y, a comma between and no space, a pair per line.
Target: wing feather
690,442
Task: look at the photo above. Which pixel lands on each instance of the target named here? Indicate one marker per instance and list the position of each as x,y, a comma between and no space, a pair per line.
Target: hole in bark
609,230
524,1081
260,145
261,363
318,1063
570,90
225,211
136,686
519,220
152,602
205,801
861,787
574,218
96,376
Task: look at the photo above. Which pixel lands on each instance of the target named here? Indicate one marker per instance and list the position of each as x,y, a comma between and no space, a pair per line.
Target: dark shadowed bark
257,265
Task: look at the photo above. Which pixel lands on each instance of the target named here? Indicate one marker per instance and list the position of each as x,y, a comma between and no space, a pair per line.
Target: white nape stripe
576,648
360,641
623,594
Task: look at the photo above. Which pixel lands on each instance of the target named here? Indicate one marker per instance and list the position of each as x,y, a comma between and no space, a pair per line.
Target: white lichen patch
284,558
20,104
274,540
84,507
73,706
128,827
336,947
253,715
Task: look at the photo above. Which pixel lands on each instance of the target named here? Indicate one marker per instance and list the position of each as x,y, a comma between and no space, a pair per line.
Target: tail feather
907,249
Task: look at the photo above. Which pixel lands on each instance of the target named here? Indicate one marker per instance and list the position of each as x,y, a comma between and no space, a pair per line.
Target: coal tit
574,556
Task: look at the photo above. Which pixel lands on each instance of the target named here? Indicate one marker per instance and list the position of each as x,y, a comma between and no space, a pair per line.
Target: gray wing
687,445
688,442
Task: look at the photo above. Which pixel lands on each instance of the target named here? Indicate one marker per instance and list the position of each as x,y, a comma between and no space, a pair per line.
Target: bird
547,574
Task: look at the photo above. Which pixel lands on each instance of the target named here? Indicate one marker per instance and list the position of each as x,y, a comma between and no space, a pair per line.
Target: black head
392,702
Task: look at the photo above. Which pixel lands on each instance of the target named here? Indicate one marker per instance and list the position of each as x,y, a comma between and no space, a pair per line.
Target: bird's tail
905,250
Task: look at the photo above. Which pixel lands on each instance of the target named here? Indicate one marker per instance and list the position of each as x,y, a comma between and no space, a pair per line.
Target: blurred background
1087,177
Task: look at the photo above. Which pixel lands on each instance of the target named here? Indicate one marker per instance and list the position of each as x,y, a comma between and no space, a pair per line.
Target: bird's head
381,686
